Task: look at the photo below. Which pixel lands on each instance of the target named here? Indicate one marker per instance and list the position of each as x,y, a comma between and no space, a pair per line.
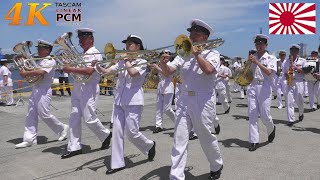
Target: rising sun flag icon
292,18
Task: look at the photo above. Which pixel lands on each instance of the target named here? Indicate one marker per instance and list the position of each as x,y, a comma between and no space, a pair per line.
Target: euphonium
290,72
244,76
72,56
24,60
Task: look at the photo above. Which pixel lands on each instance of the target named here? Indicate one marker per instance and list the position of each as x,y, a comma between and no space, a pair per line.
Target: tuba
244,76
24,60
68,54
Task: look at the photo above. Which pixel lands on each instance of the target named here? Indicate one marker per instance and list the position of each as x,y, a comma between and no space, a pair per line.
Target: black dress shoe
216,174
69,154
272,135
106,142
217,129
111,171
301,117
254,146
192,136
290,124
152,152
157,130
227,111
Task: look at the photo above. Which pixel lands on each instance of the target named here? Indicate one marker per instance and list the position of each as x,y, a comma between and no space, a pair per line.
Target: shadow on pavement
40,140
236,143
163,173
238,117
313,130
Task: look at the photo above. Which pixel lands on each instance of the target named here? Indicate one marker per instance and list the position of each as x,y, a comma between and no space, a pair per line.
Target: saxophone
290,72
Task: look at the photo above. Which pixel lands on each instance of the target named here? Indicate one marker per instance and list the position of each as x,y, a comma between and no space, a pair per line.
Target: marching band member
196,105
316,75
236,65
164,97
312,86
128,106
264,67
295,91
226,81
83,98
39,101
6,82
220,85
281,82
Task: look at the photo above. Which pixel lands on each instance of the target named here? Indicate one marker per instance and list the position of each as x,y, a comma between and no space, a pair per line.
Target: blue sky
158,22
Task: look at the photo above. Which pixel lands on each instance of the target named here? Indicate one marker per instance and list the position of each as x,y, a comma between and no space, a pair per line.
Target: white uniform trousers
281,89
83,104
199,111
163,105
228,92
305,86
112,113
259,102
236,87
316,88
39,106
295,94
7,94
126,120
242,88
311,92
222,98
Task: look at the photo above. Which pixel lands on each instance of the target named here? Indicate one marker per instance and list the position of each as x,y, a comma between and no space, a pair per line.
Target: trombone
182,45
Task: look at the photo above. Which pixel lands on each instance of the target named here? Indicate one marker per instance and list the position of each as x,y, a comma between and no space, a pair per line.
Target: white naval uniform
295,93
221,87
83,105
128,107
39,105
227,84
195,106
281,85
6,91
312,92
316,87
236,66
259,97
165,92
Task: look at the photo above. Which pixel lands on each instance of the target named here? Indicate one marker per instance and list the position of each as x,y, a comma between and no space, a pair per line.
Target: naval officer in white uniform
295,91
196,105
165,92
128,105
264,67
83,98
39,101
